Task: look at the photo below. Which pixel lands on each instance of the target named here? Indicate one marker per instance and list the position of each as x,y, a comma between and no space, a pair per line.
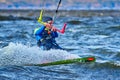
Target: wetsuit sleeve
38,33
40,30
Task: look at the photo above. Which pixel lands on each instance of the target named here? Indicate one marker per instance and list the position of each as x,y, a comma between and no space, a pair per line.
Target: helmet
46,19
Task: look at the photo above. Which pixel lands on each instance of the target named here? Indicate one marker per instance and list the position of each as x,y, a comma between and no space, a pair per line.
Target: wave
74,22
114,28
10,17
107,63
19,54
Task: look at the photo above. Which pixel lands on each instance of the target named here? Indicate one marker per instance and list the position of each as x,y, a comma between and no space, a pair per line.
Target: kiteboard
68,61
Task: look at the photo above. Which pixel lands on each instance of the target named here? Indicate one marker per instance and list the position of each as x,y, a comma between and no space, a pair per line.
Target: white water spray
19,54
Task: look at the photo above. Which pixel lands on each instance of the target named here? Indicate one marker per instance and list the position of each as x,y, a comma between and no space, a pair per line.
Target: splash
19,54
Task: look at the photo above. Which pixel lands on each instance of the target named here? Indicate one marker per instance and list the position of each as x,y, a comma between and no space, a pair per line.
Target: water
93,36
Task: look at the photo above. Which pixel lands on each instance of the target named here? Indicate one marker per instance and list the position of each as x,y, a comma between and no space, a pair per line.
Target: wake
19,54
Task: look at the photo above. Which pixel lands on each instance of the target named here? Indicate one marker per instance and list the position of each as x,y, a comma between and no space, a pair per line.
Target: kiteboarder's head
48,20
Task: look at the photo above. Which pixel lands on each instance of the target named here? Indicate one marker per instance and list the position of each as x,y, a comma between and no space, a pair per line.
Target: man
46,34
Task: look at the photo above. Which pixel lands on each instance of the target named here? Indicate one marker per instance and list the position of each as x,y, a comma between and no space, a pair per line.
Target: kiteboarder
46,34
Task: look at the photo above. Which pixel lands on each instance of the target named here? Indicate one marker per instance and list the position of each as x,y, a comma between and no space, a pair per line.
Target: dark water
91,36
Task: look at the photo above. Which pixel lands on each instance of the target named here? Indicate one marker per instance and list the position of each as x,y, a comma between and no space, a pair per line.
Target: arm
48,25
62,30
38,31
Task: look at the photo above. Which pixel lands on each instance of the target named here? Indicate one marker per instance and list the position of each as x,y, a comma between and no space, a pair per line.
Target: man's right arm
38,31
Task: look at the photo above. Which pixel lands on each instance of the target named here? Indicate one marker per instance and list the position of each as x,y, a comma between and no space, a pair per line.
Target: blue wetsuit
46,38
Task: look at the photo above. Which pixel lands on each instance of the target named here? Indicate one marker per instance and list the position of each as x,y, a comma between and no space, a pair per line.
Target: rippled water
91,36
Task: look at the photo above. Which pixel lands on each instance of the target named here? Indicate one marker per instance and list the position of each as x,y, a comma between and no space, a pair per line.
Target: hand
53,28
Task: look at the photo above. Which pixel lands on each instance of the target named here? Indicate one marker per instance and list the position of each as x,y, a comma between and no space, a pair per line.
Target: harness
46,35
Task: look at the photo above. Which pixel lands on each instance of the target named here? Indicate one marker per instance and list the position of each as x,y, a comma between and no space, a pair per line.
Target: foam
19,54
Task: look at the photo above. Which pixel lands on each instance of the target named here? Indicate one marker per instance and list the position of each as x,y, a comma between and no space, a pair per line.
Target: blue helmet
46,19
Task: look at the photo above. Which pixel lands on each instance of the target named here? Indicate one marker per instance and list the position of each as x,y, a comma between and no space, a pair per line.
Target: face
50,22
